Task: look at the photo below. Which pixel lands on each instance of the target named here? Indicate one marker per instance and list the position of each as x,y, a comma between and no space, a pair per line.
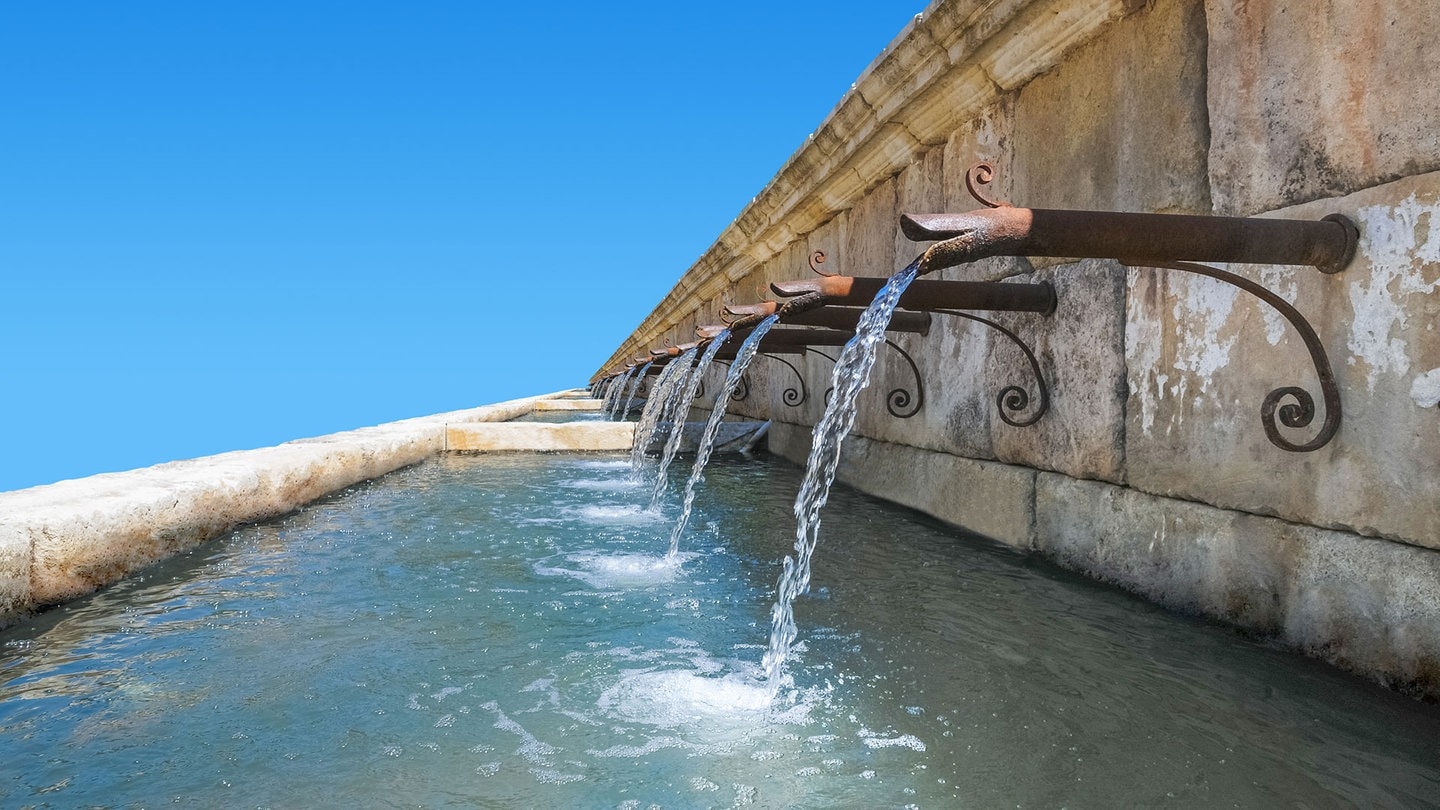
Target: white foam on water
608,571
617,484
611,514
675,698
601,465
873,740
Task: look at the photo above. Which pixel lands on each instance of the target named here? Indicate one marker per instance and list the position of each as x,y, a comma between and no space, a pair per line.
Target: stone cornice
941,71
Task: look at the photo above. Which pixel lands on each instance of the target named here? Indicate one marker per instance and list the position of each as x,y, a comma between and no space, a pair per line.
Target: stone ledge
509,437
64,540
570,405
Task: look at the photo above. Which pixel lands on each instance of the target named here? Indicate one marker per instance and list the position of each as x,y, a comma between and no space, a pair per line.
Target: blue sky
228,225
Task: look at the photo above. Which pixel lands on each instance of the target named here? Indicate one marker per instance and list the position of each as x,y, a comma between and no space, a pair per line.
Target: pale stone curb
498,437
63,540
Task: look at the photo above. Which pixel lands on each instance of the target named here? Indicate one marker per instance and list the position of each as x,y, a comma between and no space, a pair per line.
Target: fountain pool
507,631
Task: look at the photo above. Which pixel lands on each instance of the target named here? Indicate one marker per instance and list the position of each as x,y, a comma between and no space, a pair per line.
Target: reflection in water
480,631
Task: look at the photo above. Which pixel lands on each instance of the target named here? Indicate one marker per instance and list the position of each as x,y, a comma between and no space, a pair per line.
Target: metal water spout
928,296
1001,229
834,317
1170,241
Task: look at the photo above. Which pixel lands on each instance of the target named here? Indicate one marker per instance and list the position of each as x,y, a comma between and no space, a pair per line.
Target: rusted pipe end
825,286
709,330
969,236
764,309
803,303
1352,241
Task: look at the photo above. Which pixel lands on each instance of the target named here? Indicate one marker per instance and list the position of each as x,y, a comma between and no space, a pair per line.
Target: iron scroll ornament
1014,398
899,402
1301,412
794,397
741,391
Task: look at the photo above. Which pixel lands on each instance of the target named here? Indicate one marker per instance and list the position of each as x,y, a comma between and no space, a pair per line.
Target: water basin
506,631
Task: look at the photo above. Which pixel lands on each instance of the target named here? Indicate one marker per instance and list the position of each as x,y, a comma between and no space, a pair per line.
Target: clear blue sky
228,225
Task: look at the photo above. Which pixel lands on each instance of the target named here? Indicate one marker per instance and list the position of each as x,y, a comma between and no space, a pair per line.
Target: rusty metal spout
928,295
837,317
1327,244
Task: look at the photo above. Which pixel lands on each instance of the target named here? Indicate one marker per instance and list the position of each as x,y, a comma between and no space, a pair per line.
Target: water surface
507,631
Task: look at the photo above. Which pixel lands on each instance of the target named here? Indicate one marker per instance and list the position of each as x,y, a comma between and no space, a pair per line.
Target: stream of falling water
634,386
613,394
650,414
684,396
852,374
712,427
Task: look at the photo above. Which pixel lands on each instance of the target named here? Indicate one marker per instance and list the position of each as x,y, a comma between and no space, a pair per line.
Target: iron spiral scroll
901,403
1014,399
1301,412
793,397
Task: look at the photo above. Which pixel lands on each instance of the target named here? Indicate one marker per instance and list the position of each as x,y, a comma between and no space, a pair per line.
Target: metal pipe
837,317
1327,244
926,294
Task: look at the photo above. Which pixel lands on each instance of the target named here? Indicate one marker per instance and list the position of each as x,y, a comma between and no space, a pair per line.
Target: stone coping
500,437
66,539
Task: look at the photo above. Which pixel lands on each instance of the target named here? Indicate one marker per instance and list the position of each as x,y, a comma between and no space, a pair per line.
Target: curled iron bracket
976,179
816,259
833,361
1301,412
791,396
898,401
742,386
1013,398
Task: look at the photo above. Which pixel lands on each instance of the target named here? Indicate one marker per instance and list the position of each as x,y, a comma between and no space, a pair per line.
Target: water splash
635,386
851,375
682,405
712,427
650,415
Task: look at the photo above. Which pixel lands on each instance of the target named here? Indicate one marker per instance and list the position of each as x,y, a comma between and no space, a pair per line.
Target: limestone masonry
1151,469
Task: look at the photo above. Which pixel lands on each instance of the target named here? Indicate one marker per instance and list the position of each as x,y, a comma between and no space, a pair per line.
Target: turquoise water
505,632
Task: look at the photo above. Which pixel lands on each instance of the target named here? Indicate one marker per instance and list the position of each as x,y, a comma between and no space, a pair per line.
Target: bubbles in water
613,464
604,571
903,741
674,698
610,514
617,484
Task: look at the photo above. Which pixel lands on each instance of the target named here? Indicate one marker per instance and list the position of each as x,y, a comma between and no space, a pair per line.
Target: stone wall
1152,469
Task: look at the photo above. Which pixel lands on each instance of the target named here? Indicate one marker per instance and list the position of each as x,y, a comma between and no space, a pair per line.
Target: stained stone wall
1152,469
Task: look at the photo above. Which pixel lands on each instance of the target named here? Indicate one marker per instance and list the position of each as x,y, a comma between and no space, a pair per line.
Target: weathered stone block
1121,123
1371,606
15,561
990,499
1311,100
1202,356
1081,351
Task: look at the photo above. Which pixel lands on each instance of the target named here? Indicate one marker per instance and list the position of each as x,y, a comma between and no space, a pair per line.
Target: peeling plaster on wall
1281,281
1145,337
1400,241
1201,315
1425,390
